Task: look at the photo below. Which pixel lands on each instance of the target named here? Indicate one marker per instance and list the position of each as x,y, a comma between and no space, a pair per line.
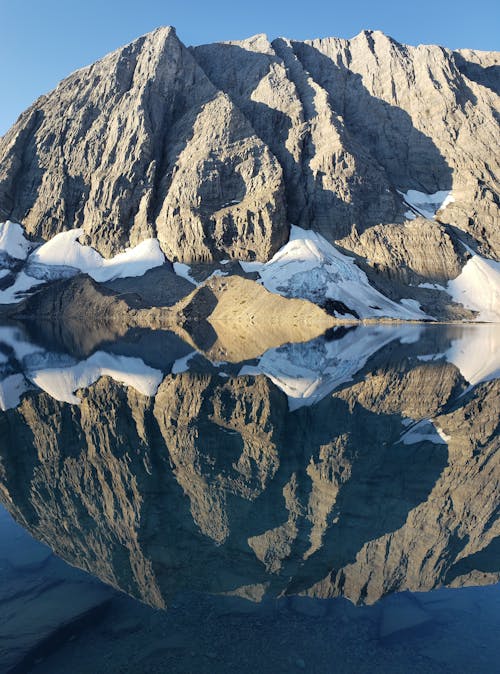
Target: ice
65,250
478,288
184,270
427,204
13,242
61,380
310,267
307,373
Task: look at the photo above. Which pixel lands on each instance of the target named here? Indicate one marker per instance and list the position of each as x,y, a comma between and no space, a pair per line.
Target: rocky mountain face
216,149
215,485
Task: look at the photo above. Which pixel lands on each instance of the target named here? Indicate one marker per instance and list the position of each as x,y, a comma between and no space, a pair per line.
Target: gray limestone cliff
216,149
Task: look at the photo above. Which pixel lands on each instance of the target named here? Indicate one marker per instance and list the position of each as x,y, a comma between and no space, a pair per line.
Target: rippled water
326,507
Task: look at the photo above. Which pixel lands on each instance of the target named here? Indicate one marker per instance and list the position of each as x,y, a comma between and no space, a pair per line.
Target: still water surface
327,507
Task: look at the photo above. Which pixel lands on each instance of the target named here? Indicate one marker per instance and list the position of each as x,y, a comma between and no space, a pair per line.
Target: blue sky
42,41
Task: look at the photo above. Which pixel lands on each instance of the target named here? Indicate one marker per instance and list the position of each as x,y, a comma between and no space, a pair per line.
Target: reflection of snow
11,390
182,364
426,204
422,431
307,373
62,381
476,353
309,267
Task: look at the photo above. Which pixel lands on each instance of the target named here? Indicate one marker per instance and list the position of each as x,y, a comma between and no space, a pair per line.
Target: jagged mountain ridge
216,149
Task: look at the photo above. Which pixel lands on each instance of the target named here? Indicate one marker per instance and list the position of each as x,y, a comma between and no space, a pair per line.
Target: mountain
387,150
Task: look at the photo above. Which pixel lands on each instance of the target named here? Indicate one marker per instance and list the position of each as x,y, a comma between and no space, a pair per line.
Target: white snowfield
310,267
13,242
65,250
309,372
63,254
426,205
478,288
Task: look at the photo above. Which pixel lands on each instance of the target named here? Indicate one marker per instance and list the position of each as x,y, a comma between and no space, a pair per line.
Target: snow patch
13,242
11,391
184,270
427,204
64,249
423,431
478,288
310,267
22,287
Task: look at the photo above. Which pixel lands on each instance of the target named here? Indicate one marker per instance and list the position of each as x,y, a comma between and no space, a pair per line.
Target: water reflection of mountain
232,481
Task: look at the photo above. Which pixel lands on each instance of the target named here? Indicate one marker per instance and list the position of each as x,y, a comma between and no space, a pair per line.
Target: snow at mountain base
13,242
309,267
64,256
478,288
65,250
426,204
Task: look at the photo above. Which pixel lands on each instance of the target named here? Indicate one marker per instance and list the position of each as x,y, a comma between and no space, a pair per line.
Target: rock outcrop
216,149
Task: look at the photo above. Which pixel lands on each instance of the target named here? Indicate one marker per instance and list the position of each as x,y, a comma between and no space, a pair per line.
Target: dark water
328,507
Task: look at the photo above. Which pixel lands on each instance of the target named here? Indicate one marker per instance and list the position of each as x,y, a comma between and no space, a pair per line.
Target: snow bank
22,287
478,288
62,382
65,250
426,204
309,267
309,372
13,242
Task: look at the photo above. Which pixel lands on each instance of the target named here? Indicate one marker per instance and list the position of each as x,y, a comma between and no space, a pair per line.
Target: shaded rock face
215,149
214,485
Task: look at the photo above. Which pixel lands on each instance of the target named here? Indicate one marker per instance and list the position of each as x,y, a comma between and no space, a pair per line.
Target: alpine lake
331,506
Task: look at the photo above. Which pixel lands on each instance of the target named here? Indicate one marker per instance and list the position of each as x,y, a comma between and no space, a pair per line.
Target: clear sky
42,41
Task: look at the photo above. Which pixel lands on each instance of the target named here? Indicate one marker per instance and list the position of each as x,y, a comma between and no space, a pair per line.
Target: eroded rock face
216,149
215,485
140,144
